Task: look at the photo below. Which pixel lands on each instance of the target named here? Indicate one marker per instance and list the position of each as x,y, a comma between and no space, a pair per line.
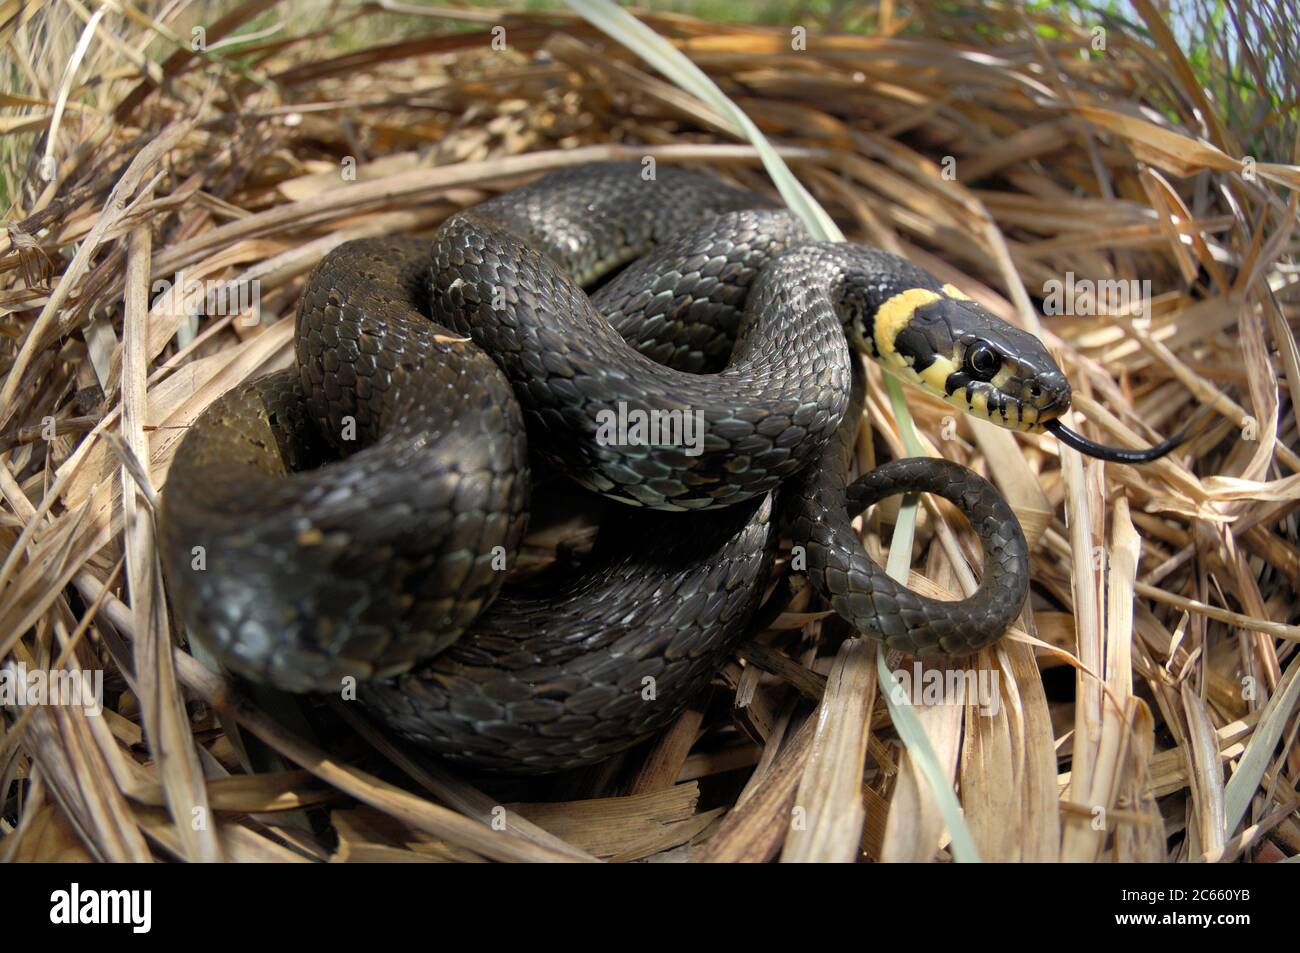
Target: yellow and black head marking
936,337
942,341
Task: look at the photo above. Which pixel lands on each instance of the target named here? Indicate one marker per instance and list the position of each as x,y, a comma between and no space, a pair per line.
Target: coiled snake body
428,375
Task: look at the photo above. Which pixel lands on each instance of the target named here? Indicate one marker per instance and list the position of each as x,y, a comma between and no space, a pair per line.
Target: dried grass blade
166,722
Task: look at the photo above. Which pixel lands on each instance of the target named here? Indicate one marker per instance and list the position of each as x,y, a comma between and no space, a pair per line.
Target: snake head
953,347
1008,376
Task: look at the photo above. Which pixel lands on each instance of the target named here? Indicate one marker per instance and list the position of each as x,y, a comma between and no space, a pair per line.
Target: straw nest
1144,709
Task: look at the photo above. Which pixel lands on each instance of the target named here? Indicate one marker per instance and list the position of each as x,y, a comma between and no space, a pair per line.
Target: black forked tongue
1122,454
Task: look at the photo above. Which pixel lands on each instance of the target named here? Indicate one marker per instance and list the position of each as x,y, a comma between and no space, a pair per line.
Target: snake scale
353,520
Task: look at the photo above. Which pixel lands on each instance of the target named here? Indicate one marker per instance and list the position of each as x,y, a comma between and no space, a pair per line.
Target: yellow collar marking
952,291
893,316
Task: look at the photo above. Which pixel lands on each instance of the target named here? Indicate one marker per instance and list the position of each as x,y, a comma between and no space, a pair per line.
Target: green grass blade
1245,781
667,59
672,63
918,746
900,544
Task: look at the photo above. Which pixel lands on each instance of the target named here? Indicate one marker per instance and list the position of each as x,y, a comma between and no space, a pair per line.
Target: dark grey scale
775,403
601,660
820,505
861,279
865,322
370,565
682,304
364,565
592,219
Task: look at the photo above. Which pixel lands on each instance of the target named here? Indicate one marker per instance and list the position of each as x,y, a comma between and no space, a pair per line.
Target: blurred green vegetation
1243,53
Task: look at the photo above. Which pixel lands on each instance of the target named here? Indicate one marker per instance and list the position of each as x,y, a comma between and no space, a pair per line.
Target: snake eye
982,362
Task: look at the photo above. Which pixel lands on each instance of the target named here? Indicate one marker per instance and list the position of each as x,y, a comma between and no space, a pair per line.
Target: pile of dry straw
1146,707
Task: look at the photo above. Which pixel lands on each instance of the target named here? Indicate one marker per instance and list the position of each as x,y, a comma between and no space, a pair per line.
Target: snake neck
927,332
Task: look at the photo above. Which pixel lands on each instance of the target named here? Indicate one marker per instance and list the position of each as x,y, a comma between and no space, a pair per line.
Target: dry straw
1143,709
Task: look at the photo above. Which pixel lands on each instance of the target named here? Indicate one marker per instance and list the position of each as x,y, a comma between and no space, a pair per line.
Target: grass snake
351,522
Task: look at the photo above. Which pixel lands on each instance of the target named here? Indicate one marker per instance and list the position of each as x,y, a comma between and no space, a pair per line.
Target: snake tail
823,503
